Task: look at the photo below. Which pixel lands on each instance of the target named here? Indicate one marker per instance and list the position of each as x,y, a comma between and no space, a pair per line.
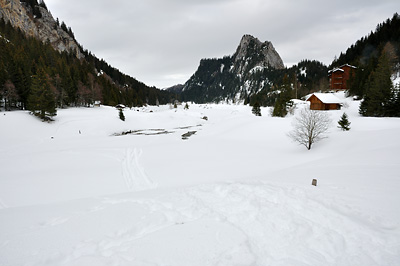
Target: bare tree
309,127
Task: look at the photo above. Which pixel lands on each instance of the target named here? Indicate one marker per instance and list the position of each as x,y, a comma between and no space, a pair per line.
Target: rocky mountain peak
234,78
246,43
251,51
45,28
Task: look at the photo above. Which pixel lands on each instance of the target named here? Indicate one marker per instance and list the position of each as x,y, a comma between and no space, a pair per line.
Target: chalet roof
340,68
327,98
347,65
335,69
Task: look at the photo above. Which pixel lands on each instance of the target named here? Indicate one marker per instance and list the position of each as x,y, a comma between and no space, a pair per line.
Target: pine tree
379,91
256,109
281,104
41,101
396,101
186,106
42,4
344,122
121,114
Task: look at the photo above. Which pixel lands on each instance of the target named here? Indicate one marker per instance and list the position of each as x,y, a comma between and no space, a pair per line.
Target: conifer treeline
70,81
371,46
284,80
376,56
34,6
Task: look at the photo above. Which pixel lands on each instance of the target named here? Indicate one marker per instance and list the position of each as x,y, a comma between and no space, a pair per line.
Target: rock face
45,28
255,54
234,78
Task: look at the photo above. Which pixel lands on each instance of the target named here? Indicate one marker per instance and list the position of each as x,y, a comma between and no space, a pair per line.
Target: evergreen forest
377,58
34,76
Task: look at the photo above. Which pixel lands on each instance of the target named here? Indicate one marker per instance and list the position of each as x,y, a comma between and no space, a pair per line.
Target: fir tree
281,104
41,101
256,109
186,106
396,101
379,91
64,26
344,122
42,4
121,114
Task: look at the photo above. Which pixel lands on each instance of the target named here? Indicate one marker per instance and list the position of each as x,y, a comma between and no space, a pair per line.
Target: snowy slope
237,192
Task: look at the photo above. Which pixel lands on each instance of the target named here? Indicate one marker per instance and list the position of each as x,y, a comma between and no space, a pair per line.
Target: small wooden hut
324,101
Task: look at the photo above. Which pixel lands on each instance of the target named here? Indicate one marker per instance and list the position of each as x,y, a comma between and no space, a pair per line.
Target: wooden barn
324,101
339,76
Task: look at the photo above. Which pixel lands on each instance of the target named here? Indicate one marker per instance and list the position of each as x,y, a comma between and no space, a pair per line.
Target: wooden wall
338,79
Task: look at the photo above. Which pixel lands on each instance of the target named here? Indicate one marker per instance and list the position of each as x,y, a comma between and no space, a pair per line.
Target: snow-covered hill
80,191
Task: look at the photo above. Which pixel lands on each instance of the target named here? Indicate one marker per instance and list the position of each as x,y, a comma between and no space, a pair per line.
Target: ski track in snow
55,221
294,219
134,175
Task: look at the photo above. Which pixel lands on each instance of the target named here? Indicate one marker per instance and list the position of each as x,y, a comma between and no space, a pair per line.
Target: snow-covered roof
326,98
335,69
348,66
340,68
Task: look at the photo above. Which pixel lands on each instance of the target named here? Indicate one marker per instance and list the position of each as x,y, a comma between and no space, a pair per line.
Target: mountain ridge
33,42
233,78
43,26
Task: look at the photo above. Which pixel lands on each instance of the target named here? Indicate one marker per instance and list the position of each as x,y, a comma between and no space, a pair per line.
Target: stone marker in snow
314,182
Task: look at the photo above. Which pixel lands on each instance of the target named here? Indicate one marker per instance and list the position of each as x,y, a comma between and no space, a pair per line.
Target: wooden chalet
339,76
324,101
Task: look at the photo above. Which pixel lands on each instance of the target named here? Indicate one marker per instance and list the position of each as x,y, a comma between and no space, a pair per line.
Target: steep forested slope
70,80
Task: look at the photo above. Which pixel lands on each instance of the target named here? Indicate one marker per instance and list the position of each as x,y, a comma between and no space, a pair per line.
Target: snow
336,69
7,41
303,72
238,192
256,69
396,79
247,86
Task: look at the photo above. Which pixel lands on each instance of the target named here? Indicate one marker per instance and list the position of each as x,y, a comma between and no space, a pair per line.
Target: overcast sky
161,42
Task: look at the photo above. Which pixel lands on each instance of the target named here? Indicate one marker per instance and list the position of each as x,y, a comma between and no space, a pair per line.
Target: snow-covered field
237,192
